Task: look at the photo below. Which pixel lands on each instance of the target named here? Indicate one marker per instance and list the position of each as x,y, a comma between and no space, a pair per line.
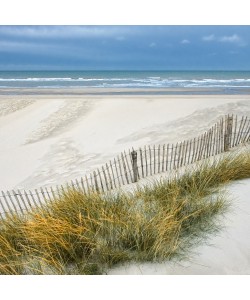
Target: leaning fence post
228,133
134,165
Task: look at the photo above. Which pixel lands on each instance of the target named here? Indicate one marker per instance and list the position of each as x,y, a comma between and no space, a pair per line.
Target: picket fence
129,167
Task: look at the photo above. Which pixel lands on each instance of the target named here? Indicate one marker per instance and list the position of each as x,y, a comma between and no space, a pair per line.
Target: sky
124,47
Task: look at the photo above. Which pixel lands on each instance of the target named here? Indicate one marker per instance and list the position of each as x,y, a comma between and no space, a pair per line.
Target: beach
52,136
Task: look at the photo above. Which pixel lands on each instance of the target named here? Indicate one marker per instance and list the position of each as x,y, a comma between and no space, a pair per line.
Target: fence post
134,165
228,133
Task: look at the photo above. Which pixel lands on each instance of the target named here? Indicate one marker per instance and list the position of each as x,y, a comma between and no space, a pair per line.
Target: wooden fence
129,167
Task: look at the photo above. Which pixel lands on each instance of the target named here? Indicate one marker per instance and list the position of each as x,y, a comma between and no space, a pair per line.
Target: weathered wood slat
22,199
82,184
199,145
53,193
129,167
117,173
87,184
17,201
124,168
59,191
235,131
48,194
33,199
73,186
183,153
231,130
220,137
100,177
112,172
167,158
43,194
150,158
214,139
154,160
105,178
189,151
239,131
78,185
92,183
3,207
203,139
96,182
246,133
224,135
32,206
175,155
141,162
206,148
210,145
178,159
203,144
246,138
38,197
242,130
120,168
197,149
11,200
163,159
146,160
193,150
172,158
10,210
109,177
159,158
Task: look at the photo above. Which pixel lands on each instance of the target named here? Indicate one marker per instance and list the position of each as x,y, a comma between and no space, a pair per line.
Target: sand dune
50,139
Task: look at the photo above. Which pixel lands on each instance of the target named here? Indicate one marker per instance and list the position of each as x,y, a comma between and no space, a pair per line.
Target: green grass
88,234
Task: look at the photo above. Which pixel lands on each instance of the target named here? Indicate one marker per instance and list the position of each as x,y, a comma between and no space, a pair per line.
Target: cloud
208,38
185,42
230,39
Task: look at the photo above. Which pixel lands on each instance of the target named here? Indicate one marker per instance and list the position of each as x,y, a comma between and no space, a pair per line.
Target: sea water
222,81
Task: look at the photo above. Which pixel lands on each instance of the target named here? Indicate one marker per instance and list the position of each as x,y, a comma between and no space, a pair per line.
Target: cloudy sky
124,47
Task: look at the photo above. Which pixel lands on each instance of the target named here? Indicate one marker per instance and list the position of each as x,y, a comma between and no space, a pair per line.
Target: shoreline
74,91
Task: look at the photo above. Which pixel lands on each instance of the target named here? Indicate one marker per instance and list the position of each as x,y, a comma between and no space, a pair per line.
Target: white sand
49,139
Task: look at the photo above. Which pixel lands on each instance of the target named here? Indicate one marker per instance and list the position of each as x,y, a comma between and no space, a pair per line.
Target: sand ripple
11,105
59,120
188,127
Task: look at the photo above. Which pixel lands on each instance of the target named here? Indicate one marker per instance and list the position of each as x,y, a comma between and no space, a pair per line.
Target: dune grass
88,234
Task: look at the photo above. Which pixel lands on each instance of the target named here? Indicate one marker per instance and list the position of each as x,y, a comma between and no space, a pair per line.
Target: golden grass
87,234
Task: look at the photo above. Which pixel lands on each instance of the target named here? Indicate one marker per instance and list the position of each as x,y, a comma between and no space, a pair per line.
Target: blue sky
124,47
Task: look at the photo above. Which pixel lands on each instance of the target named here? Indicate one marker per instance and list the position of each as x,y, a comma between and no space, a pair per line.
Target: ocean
224,82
